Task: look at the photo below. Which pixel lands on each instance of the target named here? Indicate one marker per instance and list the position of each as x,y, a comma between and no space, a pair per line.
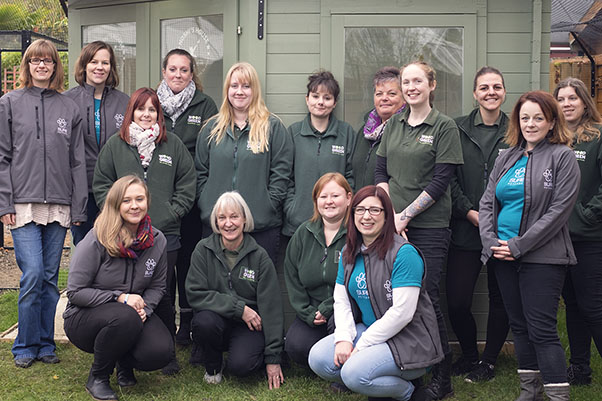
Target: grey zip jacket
551,183
41,151
112,110
95,277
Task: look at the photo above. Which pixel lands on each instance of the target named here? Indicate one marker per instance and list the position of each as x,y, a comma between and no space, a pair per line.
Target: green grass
8,309
65,381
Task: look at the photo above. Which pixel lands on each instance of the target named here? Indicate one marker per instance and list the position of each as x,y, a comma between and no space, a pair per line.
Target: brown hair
354,238
429,71
487,70
87,54
586,131
138,99
42,48
327,80
319,186
559,134
182,52
386,74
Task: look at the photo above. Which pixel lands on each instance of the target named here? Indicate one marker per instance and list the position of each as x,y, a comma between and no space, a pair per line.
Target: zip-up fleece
585,223
188,124
315,155
364,158
96,278
469,182
418,344
252,282
551,186
262,179
170,178
112,109
310,270
41,151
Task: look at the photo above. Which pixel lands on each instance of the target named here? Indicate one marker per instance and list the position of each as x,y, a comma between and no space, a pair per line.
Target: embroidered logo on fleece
165,159
118,120
62,126
247,274
426,139
580,155
338,150
548,179
150,267
389,288
195,120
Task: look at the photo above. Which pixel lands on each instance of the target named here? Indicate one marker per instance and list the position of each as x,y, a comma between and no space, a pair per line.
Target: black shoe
99,388
125,377
196,355
338,388
576,375
440,386
24,362
172,368
50,359
463,366
183,334
483,372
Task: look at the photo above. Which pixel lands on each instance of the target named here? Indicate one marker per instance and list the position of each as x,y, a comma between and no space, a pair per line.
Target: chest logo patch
165,159
195,120
118,120
389,289
62,126
548,177
338,150
150,267
247,274
580,155
426,139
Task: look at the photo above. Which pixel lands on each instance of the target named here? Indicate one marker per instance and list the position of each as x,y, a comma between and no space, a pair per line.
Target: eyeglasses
373,210
38,61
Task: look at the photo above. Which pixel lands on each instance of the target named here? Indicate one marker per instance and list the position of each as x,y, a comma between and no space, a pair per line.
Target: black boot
440,386
125,376
99,388
173,367
183,334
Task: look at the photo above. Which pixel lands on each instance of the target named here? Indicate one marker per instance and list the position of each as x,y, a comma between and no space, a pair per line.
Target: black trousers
191,234
216,334
300,337
463,268
166,309
114,332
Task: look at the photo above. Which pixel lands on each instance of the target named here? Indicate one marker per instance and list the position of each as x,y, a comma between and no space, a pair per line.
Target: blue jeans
531,293
372,371
38,252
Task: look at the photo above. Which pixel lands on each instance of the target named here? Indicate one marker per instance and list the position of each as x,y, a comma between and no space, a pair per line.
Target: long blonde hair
109,226
586,129
258,113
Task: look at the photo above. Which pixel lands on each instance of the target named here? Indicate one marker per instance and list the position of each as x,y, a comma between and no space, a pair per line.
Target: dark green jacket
315,155
364,159
262,179
188,124
470,180
170,178
310,270
585,223
211,285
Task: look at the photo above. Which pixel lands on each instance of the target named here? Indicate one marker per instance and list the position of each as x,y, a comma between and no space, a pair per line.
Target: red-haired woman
523,222
144,147
380,285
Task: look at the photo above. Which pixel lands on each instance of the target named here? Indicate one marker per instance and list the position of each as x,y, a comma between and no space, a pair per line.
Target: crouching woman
116,279
386,330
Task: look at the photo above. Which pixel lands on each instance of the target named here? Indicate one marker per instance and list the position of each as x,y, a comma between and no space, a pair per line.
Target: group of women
190,198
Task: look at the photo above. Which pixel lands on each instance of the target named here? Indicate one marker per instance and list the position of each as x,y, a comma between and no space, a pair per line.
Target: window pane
122,37
203,38
368,49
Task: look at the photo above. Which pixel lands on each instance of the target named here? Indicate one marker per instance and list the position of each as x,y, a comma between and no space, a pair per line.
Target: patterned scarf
374,127
144,141
174,105
144,239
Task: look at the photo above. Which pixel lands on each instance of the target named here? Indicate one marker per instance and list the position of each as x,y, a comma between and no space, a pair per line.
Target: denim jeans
79,232
582,294
38,252
531,293
372,371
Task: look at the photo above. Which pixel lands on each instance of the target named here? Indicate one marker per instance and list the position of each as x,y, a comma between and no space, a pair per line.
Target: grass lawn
65,381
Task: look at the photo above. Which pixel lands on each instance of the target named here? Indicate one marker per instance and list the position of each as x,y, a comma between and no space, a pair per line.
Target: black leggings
114,332
300,337
463,268
166,310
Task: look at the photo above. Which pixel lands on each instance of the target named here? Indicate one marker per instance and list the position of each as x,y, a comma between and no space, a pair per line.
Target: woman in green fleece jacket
582,290
247,149
311,263
233,290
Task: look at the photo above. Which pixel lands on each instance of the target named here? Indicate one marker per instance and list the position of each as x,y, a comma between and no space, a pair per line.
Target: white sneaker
213,379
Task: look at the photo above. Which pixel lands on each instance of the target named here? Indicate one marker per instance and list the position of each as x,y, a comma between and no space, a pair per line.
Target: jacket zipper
235,156
44,133
132,279
324,262
125,273
38,122
319,145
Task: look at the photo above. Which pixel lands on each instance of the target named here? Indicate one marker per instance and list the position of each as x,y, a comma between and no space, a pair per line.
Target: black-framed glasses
373,210
38,61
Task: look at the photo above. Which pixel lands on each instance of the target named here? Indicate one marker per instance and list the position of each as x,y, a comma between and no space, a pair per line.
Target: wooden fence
578,67
9,78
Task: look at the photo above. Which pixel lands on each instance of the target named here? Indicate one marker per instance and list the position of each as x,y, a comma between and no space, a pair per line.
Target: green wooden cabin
286,40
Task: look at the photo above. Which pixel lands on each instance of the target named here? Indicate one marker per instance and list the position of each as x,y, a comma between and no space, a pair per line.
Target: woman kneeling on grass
386,330
116,279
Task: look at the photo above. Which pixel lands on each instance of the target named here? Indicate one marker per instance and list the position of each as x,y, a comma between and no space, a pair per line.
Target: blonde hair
586,129
234,201
42,48
258,113
341,181
109,227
